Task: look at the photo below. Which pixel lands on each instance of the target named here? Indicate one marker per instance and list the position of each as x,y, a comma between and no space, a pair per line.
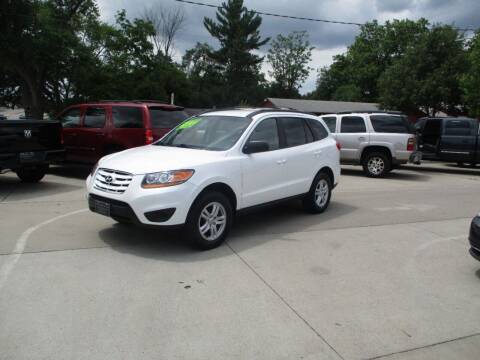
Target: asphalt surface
384,273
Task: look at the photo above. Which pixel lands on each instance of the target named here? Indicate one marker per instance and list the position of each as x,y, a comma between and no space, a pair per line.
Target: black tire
460,164
315,202
195,220
376,164
32,174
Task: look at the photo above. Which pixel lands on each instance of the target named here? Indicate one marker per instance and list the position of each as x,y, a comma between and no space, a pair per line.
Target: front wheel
209,221
318,198
376,164
32,174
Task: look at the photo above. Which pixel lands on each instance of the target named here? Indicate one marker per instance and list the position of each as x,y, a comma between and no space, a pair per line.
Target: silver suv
378,141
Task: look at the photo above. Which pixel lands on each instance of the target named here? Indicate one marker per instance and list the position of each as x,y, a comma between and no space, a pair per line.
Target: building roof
321,106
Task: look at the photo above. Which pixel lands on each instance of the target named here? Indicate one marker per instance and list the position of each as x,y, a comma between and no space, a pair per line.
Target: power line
276,15
298,17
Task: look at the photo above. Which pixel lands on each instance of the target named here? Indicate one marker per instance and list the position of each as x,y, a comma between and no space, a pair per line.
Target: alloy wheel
212,221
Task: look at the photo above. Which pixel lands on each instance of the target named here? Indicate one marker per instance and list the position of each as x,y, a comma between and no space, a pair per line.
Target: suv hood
152,158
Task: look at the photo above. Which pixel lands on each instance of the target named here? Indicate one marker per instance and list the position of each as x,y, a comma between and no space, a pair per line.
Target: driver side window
266,131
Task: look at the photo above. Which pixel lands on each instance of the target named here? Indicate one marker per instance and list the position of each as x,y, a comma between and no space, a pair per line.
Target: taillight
339,147
411,144
148,136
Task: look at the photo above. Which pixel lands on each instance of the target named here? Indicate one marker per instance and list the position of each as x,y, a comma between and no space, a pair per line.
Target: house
319,107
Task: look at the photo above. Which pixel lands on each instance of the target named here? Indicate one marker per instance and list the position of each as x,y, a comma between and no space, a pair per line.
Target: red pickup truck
93,130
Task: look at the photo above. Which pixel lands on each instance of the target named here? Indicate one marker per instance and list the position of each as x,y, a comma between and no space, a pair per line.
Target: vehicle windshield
216,133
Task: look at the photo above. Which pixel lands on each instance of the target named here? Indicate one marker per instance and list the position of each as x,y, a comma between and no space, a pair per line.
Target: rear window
319,132
353,124
389,124
165,118
458,127
127,117
294,130
331,122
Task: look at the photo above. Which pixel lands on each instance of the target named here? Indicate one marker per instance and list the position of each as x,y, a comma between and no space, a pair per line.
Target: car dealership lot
384,272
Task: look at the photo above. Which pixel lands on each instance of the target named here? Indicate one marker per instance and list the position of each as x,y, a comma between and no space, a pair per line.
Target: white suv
213,165
377,140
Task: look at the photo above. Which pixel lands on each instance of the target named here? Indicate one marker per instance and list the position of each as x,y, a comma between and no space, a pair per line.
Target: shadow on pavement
19,190
477,273
71,171
267,224
397,174
445,168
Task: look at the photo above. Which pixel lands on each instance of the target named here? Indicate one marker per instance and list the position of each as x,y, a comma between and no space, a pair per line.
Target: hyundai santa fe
211,166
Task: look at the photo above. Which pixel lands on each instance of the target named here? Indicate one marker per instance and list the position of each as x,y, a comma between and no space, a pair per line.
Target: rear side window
71,119
458,127
94,118
389,124
331,122
353,124
294,130
127,117
164,118
266,131
319,132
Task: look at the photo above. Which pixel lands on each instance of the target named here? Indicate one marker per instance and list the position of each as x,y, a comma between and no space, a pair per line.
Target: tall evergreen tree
237,30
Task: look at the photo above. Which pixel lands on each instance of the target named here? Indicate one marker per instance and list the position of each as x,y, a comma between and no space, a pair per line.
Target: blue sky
328,39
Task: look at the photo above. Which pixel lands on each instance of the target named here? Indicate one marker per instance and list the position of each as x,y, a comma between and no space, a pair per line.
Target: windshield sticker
189,123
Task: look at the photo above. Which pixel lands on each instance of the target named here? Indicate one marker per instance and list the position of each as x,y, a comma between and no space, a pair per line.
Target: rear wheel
32,174
376,164
209,221
318,198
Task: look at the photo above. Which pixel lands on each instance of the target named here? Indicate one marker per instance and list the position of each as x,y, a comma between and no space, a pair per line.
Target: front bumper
167,206
474,238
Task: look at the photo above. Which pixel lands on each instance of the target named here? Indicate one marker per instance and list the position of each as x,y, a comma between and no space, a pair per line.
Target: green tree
37,39
427,76
289,57
237,30
470,81
373,50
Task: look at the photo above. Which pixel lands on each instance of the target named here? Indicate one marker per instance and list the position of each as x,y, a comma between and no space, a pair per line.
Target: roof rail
372,112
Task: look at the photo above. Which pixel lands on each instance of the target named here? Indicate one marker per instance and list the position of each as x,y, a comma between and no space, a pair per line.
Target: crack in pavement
423,347
305,321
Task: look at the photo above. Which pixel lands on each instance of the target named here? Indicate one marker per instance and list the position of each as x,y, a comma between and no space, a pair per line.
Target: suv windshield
207,133
166,118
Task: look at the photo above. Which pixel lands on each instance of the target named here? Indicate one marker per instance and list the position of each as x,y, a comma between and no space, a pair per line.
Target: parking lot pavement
385,272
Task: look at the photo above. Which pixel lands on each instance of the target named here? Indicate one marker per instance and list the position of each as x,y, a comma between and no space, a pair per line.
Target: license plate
101,207
32,156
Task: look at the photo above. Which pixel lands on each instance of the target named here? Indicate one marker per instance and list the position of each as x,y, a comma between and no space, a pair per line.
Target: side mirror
252,147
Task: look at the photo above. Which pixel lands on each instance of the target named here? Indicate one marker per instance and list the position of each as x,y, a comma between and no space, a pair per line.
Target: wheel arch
327,170
376,148
222,188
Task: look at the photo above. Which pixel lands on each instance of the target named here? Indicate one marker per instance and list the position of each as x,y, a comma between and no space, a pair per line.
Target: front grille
112,181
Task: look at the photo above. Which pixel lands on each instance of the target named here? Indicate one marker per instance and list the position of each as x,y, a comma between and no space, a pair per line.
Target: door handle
281,162
361,138
318,152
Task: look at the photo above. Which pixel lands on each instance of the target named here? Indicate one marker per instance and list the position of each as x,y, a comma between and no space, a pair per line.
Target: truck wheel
318,198
376,164
209,221
32,174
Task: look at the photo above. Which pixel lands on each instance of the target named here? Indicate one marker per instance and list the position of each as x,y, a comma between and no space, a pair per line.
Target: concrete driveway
384,273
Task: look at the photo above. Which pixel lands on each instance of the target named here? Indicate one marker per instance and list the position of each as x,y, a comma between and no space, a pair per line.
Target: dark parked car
29,146
475,237
449,139
93,130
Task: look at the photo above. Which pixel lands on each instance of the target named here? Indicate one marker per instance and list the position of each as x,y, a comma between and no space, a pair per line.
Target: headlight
166,178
